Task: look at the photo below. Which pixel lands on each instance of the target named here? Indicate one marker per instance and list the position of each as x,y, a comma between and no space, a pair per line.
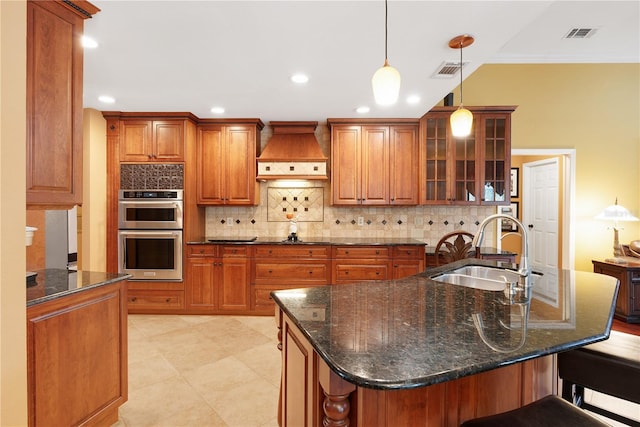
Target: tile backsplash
321,220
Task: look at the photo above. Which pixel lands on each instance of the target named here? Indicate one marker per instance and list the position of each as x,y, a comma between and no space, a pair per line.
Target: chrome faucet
524,269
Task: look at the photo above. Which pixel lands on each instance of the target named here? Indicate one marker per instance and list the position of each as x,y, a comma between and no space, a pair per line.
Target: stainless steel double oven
150,234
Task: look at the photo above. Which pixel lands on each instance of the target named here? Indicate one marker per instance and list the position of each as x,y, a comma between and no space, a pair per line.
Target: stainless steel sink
479,271
471,281
482,277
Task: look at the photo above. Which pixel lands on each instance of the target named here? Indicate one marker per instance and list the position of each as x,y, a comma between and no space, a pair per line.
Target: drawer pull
270,271
311,272
346,252
201,251
133,299
377,273
346,272
377,252
168,300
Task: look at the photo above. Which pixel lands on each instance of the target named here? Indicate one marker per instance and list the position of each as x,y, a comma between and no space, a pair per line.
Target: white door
540,211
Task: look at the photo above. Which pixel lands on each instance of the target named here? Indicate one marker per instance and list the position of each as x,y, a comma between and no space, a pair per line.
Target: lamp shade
386,85
616,213
461,122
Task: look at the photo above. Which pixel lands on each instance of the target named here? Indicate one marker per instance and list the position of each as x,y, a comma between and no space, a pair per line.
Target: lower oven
150,254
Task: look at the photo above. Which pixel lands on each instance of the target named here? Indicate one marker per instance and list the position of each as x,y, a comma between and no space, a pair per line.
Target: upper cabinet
152,140
473,170
226,162
54,102
374,162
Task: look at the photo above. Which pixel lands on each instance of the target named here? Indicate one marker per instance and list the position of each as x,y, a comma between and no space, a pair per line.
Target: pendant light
461,119
386,81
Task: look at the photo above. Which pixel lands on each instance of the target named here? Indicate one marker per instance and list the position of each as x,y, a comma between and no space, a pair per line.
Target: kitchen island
419,352
76,347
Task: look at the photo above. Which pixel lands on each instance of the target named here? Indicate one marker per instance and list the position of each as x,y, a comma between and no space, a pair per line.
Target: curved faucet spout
524,269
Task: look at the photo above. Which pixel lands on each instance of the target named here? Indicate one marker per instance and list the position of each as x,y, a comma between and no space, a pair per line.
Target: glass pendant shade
461,122
386,84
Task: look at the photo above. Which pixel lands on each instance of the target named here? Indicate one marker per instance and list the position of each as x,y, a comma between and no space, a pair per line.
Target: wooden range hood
293,152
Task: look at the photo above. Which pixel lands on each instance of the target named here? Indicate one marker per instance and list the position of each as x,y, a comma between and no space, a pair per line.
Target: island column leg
336,406
278,318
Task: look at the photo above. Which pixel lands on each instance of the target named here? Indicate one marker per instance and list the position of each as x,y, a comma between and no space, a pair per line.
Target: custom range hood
293,152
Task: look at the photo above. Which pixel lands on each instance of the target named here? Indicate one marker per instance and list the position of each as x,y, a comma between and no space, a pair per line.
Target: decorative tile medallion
306,204
151,177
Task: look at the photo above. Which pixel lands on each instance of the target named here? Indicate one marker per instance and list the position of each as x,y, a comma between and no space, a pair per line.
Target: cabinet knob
377,273
346,272
270,271
270,251
377,252
167,300
346,252
201,251
311,272
133,299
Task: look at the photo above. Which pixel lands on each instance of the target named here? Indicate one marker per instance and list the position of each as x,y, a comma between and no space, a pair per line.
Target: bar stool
550,411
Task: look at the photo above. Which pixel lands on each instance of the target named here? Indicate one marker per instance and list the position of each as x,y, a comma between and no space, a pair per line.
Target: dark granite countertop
54,283
252,240
416,332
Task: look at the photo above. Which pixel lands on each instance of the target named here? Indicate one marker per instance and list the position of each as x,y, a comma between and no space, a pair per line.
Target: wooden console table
628,302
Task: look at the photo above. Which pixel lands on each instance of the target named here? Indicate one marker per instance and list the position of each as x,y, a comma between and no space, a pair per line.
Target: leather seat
550,411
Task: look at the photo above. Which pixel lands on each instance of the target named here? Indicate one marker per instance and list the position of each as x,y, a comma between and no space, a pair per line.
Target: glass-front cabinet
472,170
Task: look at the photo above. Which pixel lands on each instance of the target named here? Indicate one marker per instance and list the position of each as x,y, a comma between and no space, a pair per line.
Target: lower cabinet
155,297
358,263
279,267
217,279
77,358
407,261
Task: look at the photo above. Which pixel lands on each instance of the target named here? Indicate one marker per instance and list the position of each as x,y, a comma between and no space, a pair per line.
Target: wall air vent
448,69
580,33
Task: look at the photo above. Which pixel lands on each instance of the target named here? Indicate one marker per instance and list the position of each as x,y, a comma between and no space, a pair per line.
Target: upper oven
150,209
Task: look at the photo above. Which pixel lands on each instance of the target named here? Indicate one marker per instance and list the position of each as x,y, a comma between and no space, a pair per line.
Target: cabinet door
54,105
201,292
465,188
234,284
375,165
136,140
168,141
403,171
435,181
345,165
496,159
240,155
210,180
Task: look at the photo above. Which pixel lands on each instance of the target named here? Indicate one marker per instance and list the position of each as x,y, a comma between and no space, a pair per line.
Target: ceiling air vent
580,33
448,69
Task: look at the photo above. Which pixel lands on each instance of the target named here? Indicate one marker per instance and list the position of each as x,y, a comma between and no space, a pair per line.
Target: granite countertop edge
54,283
336,241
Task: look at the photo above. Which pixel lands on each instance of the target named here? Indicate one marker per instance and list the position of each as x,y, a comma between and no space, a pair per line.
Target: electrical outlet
229,221
360,220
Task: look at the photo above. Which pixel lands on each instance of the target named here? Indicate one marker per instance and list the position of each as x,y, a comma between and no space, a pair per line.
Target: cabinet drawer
408,252
241,251
292,251
153,300
292,273
201,250
262,297
356,272
361,252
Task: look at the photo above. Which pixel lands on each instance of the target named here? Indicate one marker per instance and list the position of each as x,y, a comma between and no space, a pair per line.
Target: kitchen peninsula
76,347
420,352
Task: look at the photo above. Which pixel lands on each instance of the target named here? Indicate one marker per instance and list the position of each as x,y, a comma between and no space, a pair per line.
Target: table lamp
617,214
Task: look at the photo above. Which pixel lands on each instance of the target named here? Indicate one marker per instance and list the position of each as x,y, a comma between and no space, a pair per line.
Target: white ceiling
193,55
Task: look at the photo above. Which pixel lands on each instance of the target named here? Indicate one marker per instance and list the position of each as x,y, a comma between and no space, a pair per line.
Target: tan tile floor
219,371
202,371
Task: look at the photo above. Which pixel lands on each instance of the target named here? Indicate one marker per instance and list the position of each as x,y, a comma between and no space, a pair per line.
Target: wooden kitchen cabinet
152,140
77,357
474,170
374,162
278,267
360,263
628,301
54,102
407,261
226,162
217,278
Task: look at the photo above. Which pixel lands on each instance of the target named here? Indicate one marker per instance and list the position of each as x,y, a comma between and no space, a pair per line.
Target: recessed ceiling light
413,99
217,110
299,78
89,42
106,99
362,110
